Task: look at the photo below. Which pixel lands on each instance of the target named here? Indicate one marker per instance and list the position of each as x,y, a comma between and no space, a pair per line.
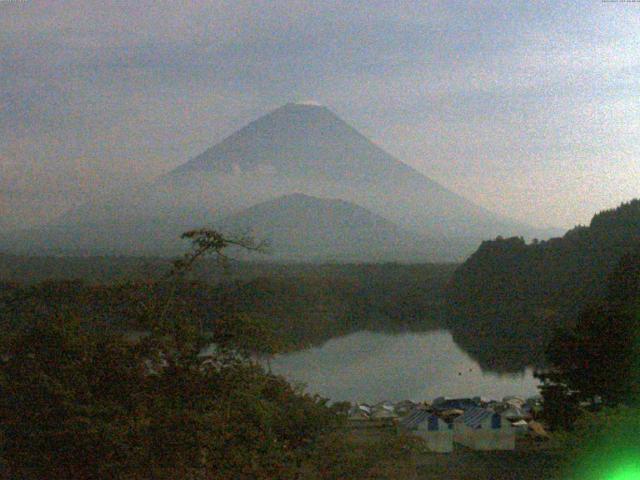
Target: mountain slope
296,148
301,227
309,149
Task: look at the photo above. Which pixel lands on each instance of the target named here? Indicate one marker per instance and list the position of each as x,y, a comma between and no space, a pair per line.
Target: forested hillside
80,400
513,296
303,304
597,359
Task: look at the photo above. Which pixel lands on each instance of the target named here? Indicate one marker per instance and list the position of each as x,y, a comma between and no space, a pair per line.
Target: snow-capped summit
308,103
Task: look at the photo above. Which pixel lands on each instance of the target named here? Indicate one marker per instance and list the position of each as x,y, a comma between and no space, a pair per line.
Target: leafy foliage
598,357
79,404
86,403
513,296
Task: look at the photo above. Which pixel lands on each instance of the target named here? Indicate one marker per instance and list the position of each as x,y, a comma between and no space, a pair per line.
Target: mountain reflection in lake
367,366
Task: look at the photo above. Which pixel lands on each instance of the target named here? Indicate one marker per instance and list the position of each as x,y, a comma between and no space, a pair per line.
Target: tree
597,358
66,399
82,403
85,403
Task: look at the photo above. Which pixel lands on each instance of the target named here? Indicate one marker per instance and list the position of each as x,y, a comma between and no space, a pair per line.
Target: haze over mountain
517,106
296,148
306,148
301,227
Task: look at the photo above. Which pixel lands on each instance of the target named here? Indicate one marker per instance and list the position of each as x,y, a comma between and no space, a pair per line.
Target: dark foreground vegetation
89,405
86,403
524,463
578,299
304,304
591,386
82,398
596,360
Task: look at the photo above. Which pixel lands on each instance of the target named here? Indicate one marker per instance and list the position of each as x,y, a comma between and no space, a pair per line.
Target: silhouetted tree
598,358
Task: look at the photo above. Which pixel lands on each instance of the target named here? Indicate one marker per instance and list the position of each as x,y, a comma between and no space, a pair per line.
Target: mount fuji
298,148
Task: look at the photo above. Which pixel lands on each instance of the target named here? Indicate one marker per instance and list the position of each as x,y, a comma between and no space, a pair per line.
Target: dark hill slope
301,227
513,296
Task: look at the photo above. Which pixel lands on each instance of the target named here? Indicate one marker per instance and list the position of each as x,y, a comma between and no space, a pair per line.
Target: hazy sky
531,108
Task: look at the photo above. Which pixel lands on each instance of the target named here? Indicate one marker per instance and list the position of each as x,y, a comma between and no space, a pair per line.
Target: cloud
97,94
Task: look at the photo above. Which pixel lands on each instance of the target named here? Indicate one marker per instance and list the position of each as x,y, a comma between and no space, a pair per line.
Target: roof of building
415,418
419,416
474,417
457,403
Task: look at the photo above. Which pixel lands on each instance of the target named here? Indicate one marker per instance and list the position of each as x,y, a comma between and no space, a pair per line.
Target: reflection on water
370,367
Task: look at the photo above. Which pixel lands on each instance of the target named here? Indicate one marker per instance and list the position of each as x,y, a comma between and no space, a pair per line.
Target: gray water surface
371,367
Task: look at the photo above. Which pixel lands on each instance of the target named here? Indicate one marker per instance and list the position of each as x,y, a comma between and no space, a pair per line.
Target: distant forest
503,305
304,304
509,298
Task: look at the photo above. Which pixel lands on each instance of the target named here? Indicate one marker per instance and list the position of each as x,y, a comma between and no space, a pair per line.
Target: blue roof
474,417
417,417
456,403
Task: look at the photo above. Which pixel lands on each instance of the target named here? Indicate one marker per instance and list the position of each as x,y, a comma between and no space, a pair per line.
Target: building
379,413
482,429
437,434
441,404
405,407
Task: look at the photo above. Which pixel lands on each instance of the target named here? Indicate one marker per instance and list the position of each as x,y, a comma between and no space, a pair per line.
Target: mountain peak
306,106
304,147
305,103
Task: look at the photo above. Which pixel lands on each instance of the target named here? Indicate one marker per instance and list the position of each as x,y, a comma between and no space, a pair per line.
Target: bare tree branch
206,242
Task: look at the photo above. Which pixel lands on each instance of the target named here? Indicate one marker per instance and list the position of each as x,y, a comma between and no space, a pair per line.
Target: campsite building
482,429
442,404
382,413
405,407
437,434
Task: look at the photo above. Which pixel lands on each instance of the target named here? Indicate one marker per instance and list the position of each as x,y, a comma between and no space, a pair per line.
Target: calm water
371,367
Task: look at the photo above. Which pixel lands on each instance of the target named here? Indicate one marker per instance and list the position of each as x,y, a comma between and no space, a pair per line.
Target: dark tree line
510,297
596,361
303,305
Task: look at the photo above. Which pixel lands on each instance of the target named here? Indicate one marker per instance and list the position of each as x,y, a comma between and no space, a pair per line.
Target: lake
370,367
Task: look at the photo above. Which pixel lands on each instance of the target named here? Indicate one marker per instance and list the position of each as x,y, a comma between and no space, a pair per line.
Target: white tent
437,434
482,429
357,413
381,413
387,405
515,413
513,401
